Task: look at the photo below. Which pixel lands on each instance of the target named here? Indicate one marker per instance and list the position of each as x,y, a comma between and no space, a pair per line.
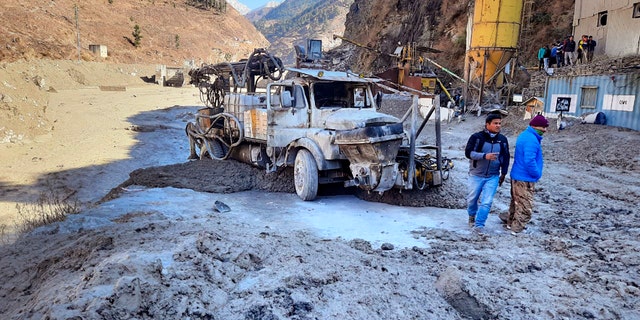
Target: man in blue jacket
488,154
526,171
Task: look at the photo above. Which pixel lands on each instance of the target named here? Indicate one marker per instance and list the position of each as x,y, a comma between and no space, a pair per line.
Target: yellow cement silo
494,36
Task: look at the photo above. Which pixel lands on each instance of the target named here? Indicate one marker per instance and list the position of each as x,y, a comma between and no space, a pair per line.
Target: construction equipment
492,46
324,124
261,64
411,71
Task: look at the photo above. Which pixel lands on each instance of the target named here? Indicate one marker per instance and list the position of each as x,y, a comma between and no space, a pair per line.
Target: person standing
541,53
554,56
560,54
546,56
591,46
488,154
569,49
525,172
582,46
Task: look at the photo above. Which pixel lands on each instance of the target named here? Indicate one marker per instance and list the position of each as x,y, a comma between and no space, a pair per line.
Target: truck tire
212,149
305,175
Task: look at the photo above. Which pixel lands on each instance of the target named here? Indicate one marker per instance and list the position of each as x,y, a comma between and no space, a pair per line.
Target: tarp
596,118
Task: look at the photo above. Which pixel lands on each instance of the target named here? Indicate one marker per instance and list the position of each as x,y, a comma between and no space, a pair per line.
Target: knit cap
539,121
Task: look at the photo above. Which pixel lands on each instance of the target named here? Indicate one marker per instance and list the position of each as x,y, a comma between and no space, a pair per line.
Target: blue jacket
527,158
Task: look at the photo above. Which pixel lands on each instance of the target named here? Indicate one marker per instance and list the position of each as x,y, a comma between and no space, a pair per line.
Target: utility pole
77,31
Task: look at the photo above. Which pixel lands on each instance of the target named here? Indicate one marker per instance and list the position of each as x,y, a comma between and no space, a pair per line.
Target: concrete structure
170,76
494,37
614,24
99,50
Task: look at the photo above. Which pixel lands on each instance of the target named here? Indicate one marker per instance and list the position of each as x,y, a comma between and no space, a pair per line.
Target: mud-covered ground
166,258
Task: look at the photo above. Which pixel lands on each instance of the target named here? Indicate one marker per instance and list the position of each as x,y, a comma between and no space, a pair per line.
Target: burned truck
325,124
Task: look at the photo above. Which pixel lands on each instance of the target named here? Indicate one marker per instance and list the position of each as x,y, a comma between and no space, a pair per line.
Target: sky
253,4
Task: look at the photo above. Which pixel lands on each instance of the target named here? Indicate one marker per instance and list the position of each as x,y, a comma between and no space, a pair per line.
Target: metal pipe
438,140
424,122
445,70
412,143
484,70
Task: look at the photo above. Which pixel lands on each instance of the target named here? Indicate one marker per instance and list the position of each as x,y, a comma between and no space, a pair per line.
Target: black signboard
562,104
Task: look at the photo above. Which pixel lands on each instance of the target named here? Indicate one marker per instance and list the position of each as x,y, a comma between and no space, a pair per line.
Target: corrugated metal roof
616,95
533,98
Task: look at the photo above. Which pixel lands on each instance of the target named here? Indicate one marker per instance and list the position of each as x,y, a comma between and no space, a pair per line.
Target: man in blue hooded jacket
488,154
525,172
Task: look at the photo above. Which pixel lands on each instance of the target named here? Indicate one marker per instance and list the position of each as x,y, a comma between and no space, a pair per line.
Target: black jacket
481,143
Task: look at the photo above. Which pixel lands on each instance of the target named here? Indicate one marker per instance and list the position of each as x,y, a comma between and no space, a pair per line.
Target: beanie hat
492,116
539,121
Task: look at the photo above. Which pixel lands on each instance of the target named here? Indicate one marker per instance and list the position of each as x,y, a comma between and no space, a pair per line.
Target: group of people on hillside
567,52
489,158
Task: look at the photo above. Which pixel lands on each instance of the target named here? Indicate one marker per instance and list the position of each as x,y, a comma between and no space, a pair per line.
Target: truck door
287,114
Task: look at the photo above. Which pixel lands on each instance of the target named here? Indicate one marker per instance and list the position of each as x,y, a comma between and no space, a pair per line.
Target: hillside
294,21
172,31
441,25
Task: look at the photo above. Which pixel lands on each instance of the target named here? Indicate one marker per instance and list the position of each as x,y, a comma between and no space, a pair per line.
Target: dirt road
93,143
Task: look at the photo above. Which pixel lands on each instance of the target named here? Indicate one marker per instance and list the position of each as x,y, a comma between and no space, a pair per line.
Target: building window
636,10
589,95
602,19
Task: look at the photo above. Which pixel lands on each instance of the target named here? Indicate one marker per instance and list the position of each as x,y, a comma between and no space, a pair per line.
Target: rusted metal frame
412,144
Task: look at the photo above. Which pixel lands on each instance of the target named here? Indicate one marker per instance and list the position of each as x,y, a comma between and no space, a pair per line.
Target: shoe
478,230
503,216
472,221
513,233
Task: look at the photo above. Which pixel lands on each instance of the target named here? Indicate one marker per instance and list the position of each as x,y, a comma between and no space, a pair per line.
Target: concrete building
99,50
614,24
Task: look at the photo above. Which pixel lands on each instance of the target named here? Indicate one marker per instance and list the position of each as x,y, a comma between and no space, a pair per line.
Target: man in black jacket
591,46
569,49
488,154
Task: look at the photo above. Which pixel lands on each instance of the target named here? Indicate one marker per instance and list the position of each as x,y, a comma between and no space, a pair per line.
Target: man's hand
501,180
491,156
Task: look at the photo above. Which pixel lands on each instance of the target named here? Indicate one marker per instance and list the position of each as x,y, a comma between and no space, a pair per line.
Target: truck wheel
305,175
217,149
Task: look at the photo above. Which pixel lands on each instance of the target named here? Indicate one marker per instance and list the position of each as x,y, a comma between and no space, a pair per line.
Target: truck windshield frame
340,94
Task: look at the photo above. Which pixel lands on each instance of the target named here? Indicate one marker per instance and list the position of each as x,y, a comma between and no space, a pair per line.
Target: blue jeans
480,197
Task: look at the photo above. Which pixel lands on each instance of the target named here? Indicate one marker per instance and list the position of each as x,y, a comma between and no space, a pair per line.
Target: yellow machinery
494,37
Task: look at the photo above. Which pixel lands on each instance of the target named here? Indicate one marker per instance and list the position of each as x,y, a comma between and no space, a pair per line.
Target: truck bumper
371,152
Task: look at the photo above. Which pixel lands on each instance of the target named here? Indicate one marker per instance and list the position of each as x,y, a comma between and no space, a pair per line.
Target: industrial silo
495,30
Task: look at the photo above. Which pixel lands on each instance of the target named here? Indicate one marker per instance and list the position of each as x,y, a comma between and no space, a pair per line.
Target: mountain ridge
171,32
293,22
